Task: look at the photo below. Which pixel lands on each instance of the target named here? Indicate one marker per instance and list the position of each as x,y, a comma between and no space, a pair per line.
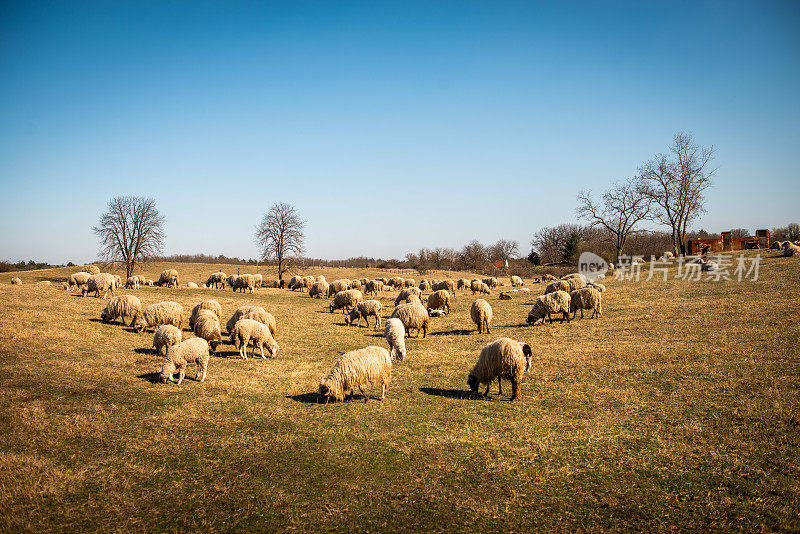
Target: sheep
463,283
355,369
482,288
556,302
344,300
247,330
210,304
502,358
397,282
405,293
16,281
365,309
372,287
259,279
318,289
474,285
439,300
548,277
336,286
575,283
409,282
172,282
166,336
142,279
121,307
597,285
193,350
65,286
668,256
436,313
166,275
447,285
790,249
216,280
424,285
232,280
573,275
244,282
100,282
321,278
92,269
413,317
505,296
587,298
356,284
155,315
557,285
481,314
149,283
79,279
294,282
395,334
491,282
206,326
517,281
132,282
256,313
192,285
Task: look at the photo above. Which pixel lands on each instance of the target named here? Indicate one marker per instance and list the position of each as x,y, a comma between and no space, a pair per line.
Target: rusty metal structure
728,243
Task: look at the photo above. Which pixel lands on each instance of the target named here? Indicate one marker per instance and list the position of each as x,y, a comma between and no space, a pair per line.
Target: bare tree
473,256
676,183
280,236
551,243
504,250
130,231
623,206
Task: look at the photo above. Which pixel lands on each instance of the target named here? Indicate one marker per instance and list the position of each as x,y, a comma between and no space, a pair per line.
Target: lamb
210,304
132,282
244,282
206,326
481,314
405,293
100,282
166,336
556,302
372,287
355,369
439,300
447,285
395,334
502,358
517,281
587,298
193,350
365,309
93,269
557,285
192,285
345,300
121,307
336,286
16,281
247,330
161,313
482,288
77,280
413,317
318,289
165,276
256,313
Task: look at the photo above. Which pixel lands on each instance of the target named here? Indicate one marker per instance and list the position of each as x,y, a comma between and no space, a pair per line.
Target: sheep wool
409,282
413,317
365,310
481,314
481,287
132,282
439,300
557,285
576,283
121,307
587,298
216,280
556,302
193,350
192,285
142,279
16,281
446,285
166,275
517,281
245,282
165,336
790,249
206,326
263,317
372,287
405,293
355,369
337,286
100,282
597,285
356,284
211,305
344,300
395,334
259,280
424,285
93,269
318,289
161,313
77,280
250,330
502,358
244,310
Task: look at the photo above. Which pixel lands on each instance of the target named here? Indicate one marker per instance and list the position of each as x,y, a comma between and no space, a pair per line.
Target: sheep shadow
306,398
454,332
150,377
149,352
457,394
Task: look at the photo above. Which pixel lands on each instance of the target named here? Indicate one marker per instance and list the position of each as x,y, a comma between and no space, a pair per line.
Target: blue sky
390,125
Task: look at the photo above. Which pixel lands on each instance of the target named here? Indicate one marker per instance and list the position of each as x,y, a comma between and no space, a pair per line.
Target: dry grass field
679,409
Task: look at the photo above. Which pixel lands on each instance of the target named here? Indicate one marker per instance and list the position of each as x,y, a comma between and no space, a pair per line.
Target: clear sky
390,125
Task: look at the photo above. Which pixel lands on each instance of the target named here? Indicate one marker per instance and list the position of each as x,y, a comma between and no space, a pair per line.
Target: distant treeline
31,265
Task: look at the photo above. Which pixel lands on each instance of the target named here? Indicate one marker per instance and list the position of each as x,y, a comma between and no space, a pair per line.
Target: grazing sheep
597,285
405,293
446,285
502,358
166,275
790,249
344,300
259,279
556,302
517,281
132,282
216,280
172,282
149,283
92,269
337,286
318,289
166,336
413,317
100,282
306,282
161,313
395,334
573,275
247,330
575,283
668,256
439,300
491,282
321,278
355,369
356,284
558,285
637,259
142,279
587,298
245,282
413,299
256,313
436,313
232,280
481,287
397,282
210,304
481,314
424,285
463,283
193,350
121,307
294,282
373,287
77,280
192,285
409,282
16,281
474,285
548,277
365,309
206,326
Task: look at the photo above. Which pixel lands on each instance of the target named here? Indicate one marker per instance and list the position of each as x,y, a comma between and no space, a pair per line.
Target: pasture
678,409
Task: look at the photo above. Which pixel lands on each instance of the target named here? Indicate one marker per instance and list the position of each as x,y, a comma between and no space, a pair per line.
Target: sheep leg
514,389
486,394
378,324
499,386
361,389
181,374
383,391
581,314
261,346
487,327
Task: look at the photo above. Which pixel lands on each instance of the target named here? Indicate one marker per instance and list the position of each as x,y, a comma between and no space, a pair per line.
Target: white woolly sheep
193,350
192,285
132,282
413,299
245,282
587,298
166,336
100,282
321,278
318,289
210,304
216,280
790,249
502,358
241,312
77,280
355,369
344,300
491,282
481,314
463,283
141,278
439,300
247,330
166,275
16,281
395,334
232,280
424,285
405,293
397,282
517,281
161,313
409,282
481,287
447,285
149,283
548,277
365,309
575,283
356,284
336,286
172,282
121,307
413,317
372,287
550,303
557,285
258,313
259,278
206,326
